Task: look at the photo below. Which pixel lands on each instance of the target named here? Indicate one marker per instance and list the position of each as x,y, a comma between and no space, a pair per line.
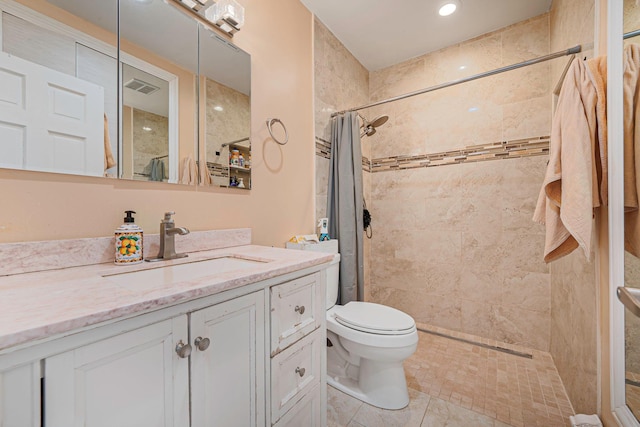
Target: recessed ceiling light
146,128
144,1
447,8
218,108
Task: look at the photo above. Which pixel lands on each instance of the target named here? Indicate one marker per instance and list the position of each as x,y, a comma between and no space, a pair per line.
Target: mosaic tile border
513,149
218,170
323,149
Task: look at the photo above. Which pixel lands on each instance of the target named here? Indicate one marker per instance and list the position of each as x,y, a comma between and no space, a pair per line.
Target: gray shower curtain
344,205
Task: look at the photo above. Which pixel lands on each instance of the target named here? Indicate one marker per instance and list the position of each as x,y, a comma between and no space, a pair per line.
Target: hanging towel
109,161
188,173
631,121
205,176
570,188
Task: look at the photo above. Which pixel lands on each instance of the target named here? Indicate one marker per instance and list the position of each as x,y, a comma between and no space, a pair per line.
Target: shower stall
451,180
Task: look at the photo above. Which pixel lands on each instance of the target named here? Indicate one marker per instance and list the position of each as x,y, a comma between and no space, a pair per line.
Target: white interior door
65,133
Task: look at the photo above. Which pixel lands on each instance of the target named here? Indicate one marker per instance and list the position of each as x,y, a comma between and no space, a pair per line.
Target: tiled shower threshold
461,380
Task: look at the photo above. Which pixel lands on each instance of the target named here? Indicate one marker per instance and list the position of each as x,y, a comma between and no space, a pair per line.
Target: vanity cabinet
20,396
141,378
298,356
132,379
227,373
251,356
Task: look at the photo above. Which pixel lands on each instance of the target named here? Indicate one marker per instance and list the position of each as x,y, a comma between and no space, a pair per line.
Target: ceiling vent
141,86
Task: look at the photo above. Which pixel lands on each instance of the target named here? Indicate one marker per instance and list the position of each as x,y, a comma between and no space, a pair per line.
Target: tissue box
328,246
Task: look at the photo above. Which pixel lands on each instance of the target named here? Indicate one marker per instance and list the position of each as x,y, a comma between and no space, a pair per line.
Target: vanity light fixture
448,7
228,15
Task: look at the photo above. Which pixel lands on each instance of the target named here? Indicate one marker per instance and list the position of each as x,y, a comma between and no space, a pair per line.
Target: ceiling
380,33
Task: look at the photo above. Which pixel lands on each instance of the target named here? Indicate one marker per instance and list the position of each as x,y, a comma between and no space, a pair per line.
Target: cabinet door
227,378
134,379
20,396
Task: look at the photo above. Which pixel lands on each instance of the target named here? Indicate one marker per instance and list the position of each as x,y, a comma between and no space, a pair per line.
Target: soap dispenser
128,241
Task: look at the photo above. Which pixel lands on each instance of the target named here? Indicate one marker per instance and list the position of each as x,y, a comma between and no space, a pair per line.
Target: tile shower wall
341,82
455,244
573,279
148,144
225,125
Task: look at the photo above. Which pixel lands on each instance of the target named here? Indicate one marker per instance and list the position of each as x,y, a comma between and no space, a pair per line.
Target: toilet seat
374,319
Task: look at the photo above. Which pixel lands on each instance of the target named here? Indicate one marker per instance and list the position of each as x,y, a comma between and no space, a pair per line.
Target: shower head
379,121
369,127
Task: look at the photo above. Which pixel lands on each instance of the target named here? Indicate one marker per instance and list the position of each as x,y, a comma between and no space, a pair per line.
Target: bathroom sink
168,274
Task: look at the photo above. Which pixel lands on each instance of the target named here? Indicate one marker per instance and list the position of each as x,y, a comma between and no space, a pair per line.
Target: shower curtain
344,205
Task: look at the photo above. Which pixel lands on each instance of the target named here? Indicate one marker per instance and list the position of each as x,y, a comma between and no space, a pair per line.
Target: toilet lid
374,318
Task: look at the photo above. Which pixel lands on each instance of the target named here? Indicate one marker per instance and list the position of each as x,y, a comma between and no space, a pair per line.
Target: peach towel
109,161
570,188
631,88
205,176
188,171
580,125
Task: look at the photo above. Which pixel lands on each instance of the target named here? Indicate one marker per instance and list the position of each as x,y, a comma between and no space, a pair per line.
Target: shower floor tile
455,383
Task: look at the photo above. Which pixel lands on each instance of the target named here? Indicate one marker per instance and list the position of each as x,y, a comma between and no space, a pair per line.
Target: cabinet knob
183,350
299,309
202,343
300,371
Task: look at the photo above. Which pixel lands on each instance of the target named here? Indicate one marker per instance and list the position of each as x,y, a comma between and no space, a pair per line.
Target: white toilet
366,345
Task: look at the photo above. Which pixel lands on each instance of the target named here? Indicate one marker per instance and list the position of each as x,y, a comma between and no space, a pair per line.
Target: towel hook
270,123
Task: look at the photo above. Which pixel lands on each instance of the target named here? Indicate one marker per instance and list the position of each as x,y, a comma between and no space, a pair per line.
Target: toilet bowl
366,345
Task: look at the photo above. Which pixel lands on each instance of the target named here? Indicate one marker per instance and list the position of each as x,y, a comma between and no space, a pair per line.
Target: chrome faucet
168,232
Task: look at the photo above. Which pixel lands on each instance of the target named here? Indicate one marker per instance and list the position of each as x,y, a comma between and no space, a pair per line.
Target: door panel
131,380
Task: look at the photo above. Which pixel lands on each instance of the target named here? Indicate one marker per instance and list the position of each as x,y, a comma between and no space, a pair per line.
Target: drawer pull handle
300,371
300,309
202,343
183,350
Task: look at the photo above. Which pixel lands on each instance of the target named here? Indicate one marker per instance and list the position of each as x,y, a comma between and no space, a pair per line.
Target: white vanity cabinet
298,362
249,356
132,379
20,396
141,379
227,372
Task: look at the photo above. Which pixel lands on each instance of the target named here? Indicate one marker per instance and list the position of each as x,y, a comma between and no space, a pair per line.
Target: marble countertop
42,304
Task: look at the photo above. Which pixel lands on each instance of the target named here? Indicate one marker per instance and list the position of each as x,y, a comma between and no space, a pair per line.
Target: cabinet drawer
307,412
294,372
296,310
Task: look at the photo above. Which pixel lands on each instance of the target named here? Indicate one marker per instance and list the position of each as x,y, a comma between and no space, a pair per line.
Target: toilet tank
333,279
333,271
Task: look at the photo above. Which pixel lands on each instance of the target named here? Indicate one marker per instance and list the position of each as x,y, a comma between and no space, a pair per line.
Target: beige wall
573,278
455,245
38,206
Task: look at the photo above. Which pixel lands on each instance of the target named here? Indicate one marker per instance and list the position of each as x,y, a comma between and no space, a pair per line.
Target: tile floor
633,392
457,384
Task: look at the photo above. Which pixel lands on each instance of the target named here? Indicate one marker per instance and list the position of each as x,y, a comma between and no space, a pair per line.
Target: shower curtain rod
570,51
567,52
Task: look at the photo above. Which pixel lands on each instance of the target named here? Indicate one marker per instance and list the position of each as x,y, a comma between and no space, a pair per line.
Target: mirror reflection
145,126
632,266
225,90
58,89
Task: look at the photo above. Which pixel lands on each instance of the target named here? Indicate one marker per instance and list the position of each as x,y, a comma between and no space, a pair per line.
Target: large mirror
225,101
70,102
